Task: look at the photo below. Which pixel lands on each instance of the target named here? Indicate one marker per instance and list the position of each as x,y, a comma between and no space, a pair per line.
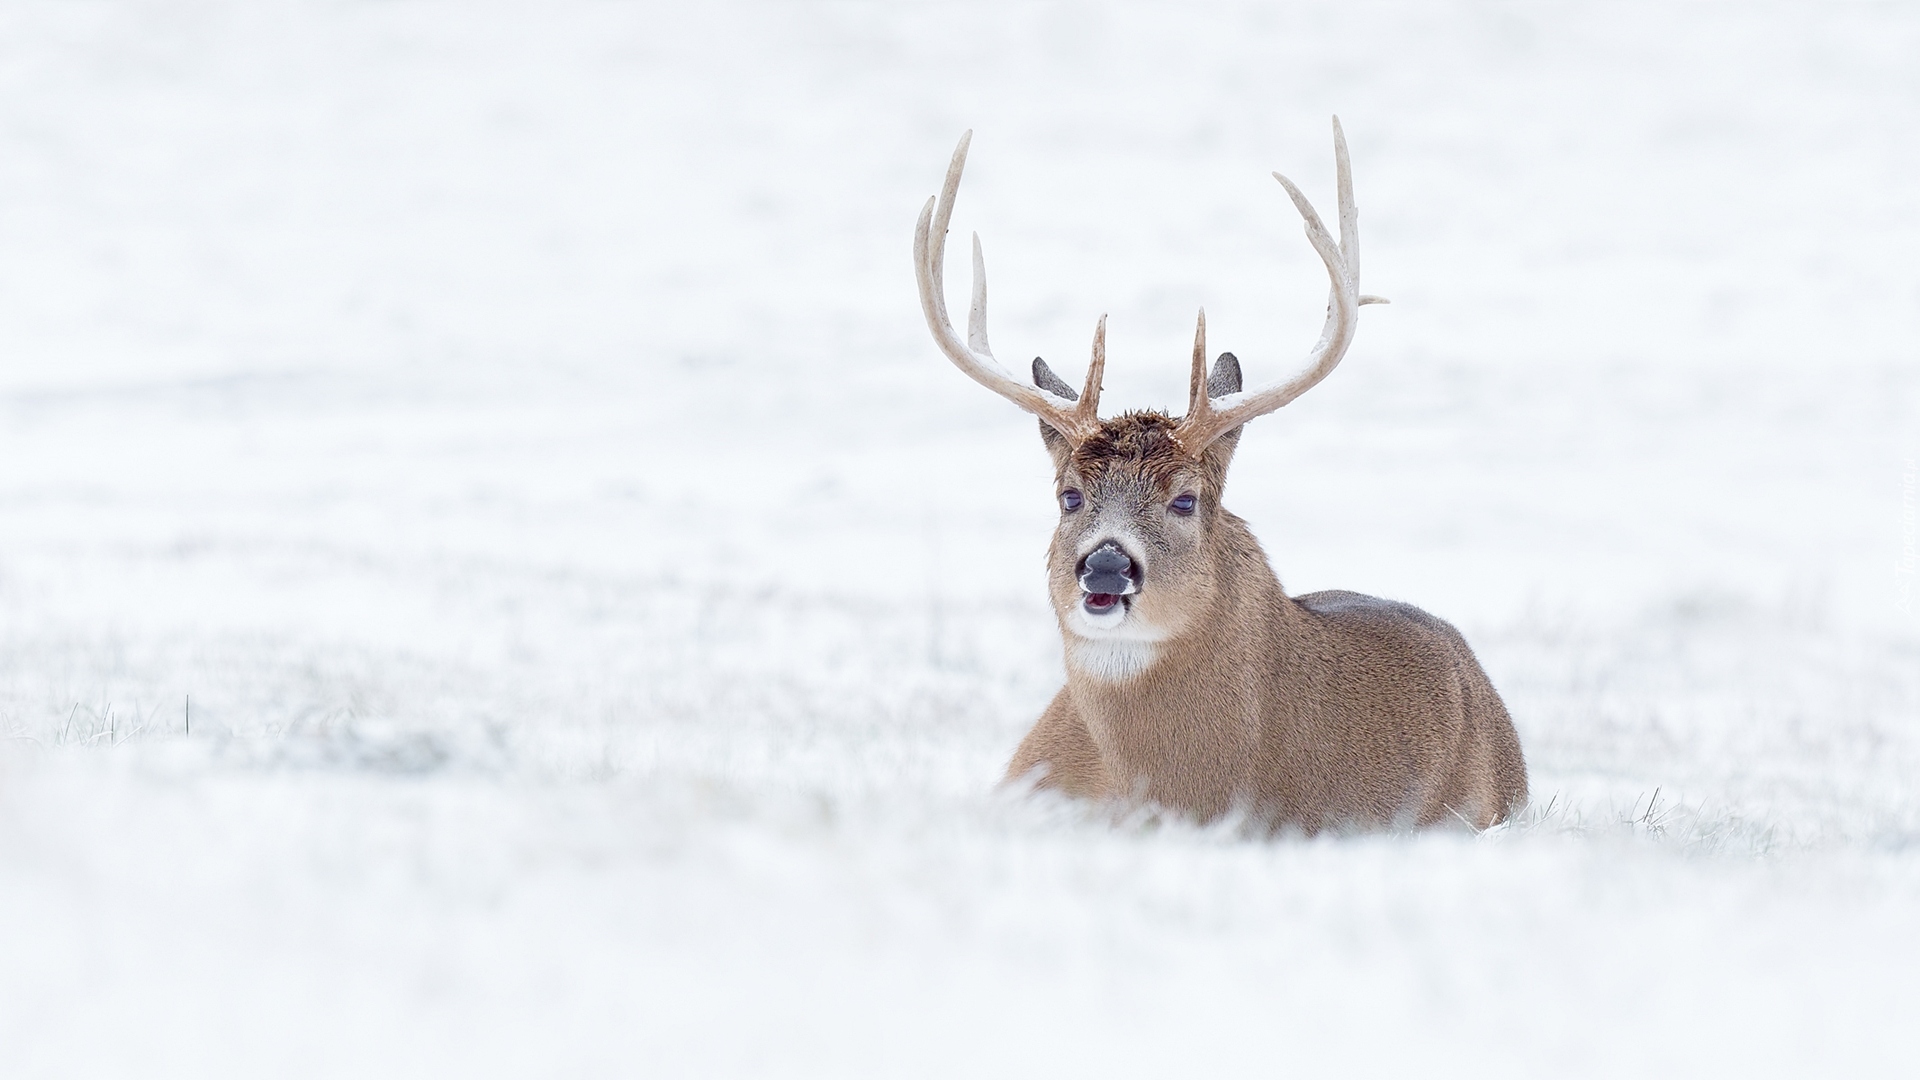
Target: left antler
1207,420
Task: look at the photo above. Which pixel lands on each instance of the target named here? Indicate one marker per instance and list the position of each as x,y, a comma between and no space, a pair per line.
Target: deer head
1133,559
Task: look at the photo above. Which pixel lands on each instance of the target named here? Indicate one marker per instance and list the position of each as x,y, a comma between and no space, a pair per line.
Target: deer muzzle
1107,573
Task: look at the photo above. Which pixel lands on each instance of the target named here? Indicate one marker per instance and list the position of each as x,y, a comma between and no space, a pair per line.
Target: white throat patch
1110,659
1114,646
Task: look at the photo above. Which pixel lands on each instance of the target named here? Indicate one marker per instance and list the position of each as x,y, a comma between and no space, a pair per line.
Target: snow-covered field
605,616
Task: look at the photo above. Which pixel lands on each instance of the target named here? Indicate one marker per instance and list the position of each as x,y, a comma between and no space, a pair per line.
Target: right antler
1205,420
1076,420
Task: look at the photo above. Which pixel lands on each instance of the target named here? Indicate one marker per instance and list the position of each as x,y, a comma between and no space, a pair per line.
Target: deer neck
1173,716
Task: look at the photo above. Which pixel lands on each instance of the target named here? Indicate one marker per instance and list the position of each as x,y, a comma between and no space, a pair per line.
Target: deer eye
1182,505
1070,500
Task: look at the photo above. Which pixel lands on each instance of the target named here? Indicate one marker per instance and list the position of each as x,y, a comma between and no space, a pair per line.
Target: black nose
1109,559
1107,569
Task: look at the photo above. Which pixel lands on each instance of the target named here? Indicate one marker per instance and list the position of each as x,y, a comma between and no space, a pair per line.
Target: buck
1193,680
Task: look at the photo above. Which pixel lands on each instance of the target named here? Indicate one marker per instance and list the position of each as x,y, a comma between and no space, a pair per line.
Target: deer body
1330,709
1193,680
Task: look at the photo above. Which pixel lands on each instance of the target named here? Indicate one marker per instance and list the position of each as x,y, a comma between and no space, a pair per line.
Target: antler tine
1342,258
973,356
1087,409
1197,404
937,264
1349,217
977,314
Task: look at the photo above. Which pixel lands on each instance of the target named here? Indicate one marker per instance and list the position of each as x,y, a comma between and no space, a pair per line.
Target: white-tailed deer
1193,680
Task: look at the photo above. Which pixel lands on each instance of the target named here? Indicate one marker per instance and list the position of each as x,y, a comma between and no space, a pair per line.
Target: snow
605,615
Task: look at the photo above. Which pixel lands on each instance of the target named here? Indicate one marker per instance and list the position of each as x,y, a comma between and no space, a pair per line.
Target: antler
1074,419
1207,420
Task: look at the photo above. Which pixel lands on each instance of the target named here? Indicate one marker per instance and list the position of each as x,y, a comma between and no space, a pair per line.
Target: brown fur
1327,710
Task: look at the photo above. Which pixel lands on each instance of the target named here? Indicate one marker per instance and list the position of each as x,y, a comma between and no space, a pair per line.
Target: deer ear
1226,376
1045,379
1224,380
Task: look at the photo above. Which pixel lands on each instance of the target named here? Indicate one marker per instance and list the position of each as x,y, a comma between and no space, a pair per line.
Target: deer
1194,682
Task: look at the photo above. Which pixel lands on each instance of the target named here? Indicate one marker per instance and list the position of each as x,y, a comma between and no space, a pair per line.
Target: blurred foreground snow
512,428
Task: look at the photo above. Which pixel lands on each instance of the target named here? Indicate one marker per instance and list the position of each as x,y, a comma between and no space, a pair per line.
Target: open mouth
1100,603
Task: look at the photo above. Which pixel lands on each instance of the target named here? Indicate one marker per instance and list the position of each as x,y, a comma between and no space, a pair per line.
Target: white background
606,616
